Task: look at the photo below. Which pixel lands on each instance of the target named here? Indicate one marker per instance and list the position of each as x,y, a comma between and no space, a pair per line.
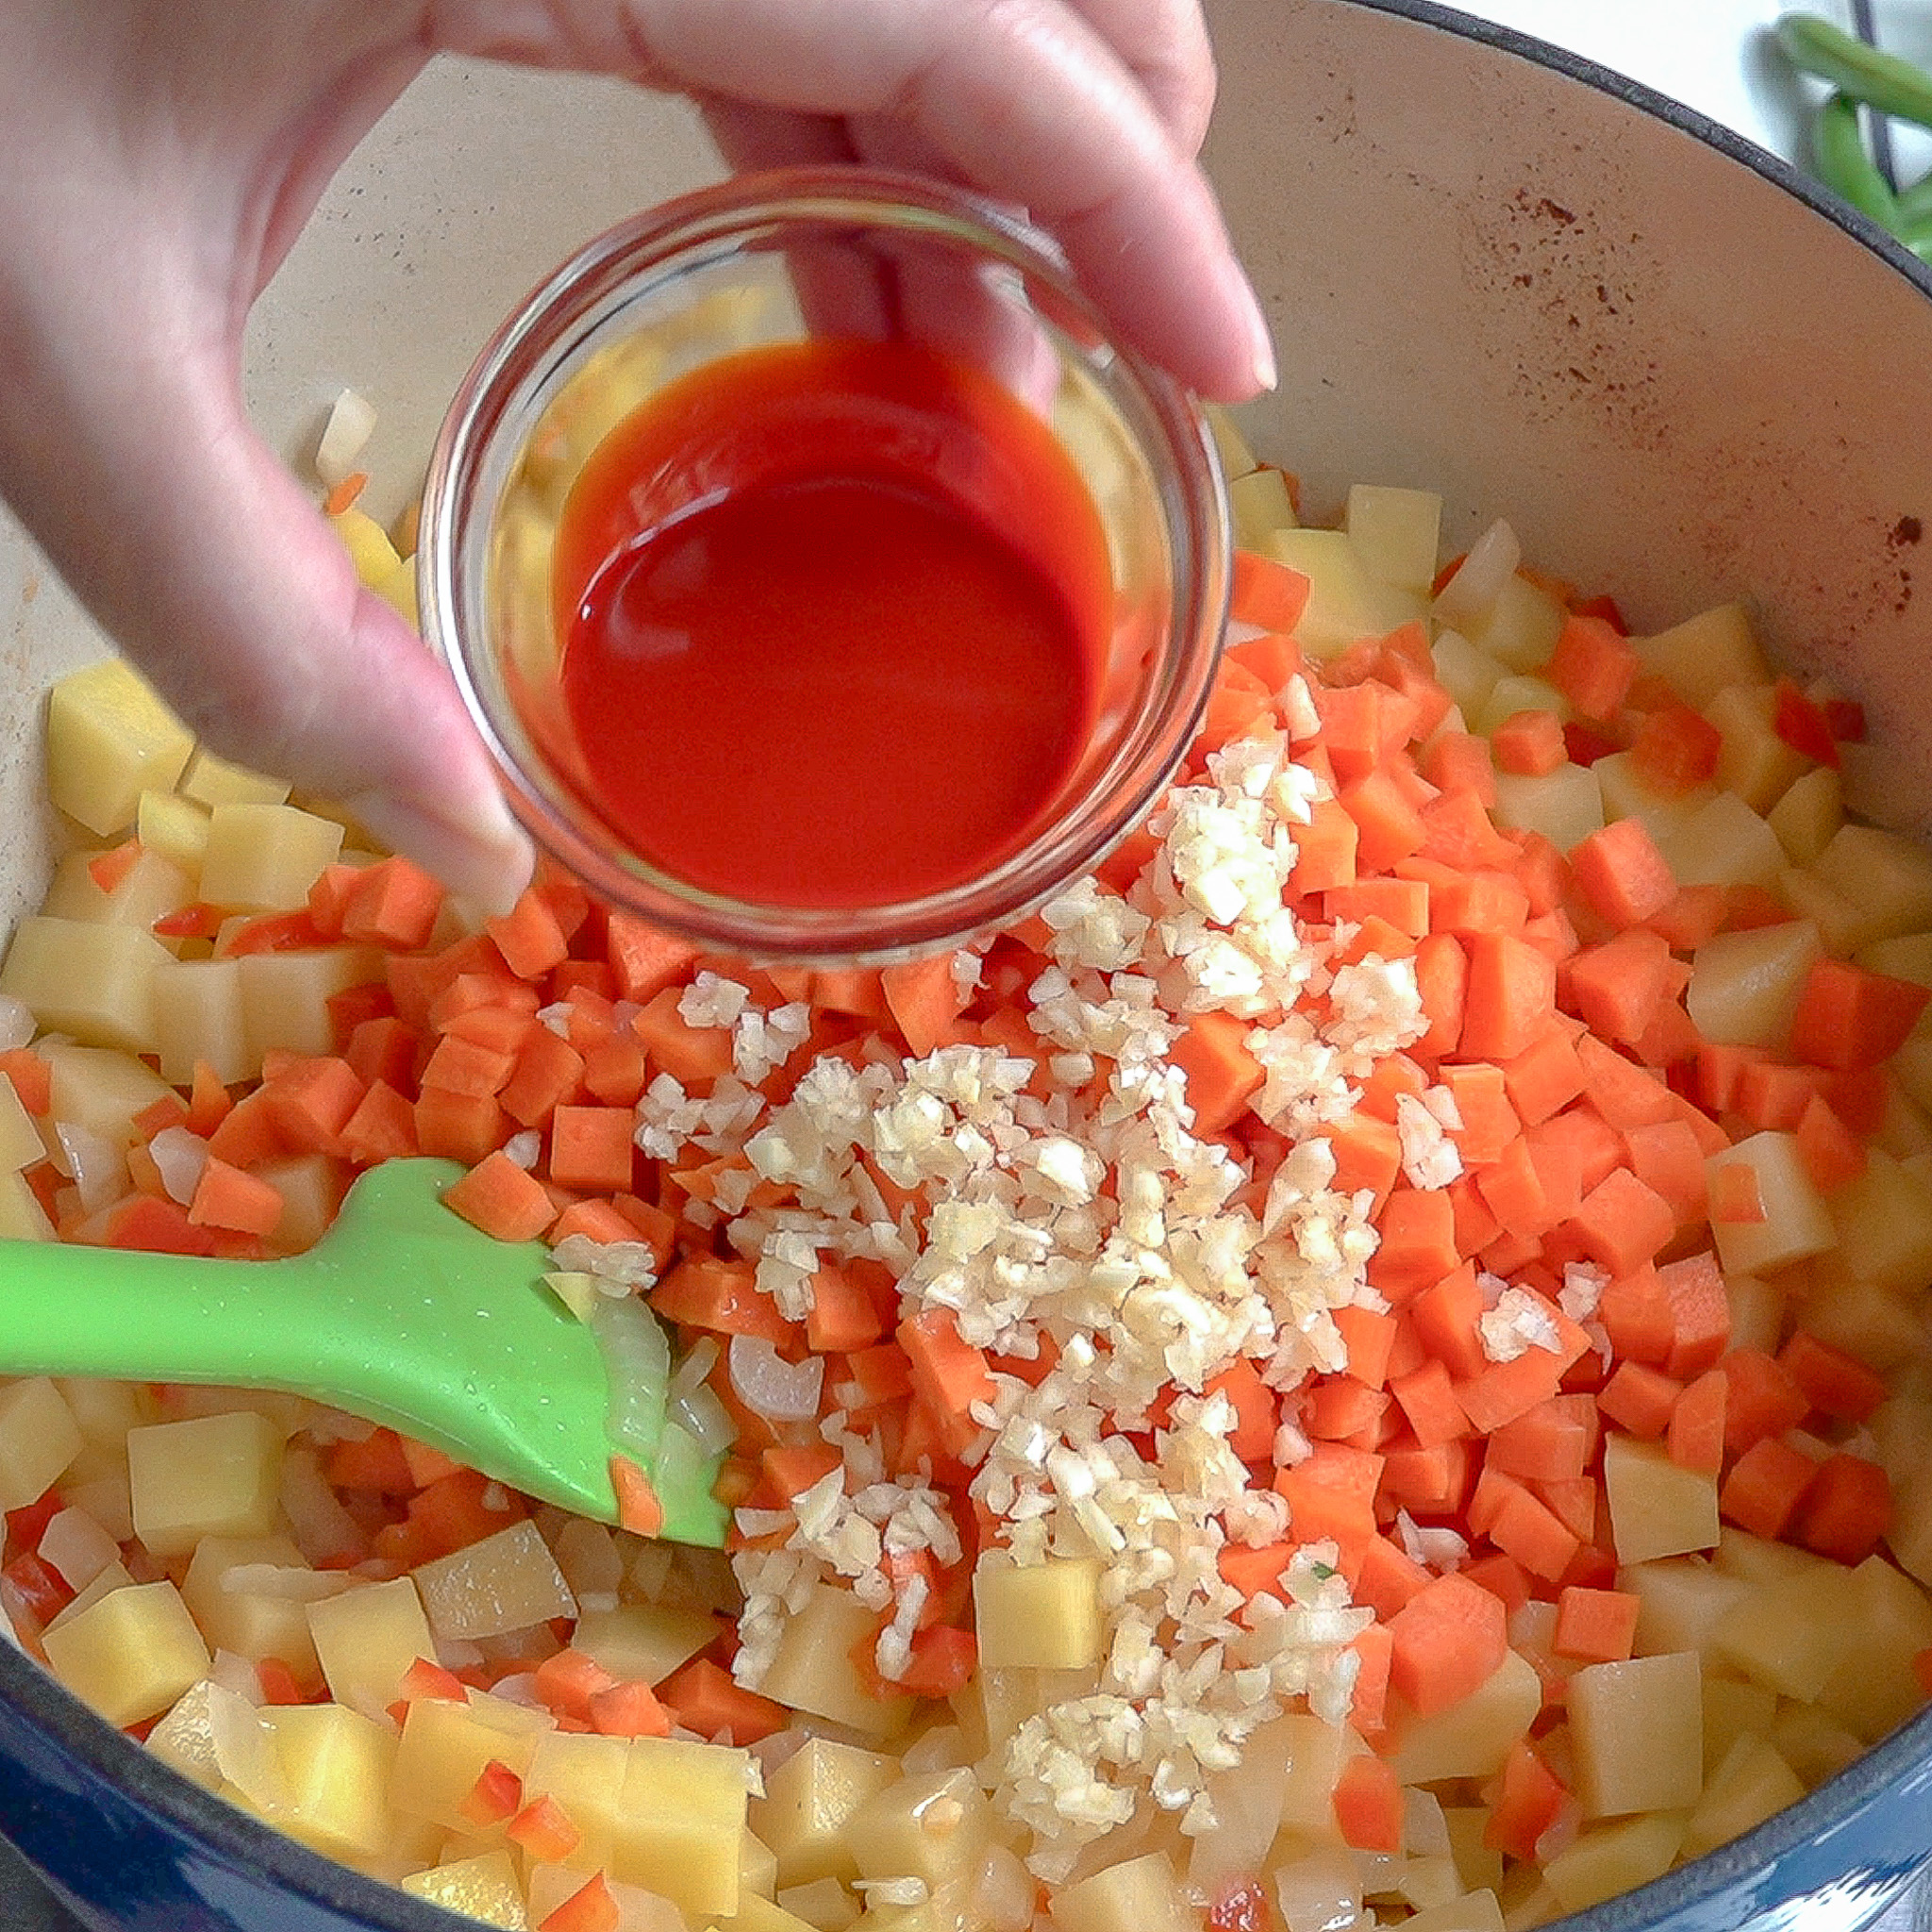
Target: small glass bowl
768,259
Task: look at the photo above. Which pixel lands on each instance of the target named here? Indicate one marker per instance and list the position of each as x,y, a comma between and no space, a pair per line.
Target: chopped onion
180,1156
285,1583
93,1162
79,1547
639,1357
770,1387
705,1420
321,1526
523,1149
244,1749
1471,593
16,1023
344,436
694,1367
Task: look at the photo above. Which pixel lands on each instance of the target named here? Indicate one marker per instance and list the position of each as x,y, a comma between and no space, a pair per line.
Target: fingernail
1262,342
485,856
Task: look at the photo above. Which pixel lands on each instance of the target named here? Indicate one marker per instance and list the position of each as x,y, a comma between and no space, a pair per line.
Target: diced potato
1787,1635
680,1821
1472,1739
1843,927
1657,1509
1745,986
935,1826
1320,1891
1614,1858
808,1805
1259,504
1886,872
264,858
367,1638
1725,844
1236,453
1808,815
1467,676
198,1017
337,1768
1754,761
1638,1727
174,827
1315,1755
1734,1708
1565,806
585,1774
1751,1783
130,1654
1520,629
1811,1743
271,1620
1883,1226
1797,1223
100,1089
444,1748
1627,794
106,1410
209,1476
1397,534
39,1438
94,982
509,1581
210,782
367,543
285,998
1519,691
758,1914
1758,1308
185,1738
1908,956
1479,1866
20,1141
1681,1600
1473,1911
1881,1326
22,1217
1706,654
643,1641
814,1670
1346,603
1887,1622
311,1187
484,1887
1138,1896
825,1905
1045,1616
109,739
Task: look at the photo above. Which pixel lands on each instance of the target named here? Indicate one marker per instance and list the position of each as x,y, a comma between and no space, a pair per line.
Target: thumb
192,544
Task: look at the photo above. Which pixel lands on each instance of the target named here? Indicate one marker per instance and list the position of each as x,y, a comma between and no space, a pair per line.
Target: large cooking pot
1493,271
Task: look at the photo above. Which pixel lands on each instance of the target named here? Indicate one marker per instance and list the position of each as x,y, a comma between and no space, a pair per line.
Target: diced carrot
1272,657
711,1293
1504,1391
925,1000
1401,903
1417,1242
1257,1408
1833,1382
1695,1439
1700,1314
1221,1075
1427,1399
1733,1194
1255,1570
1844,1510
1331,1494
1448,1640
383,1127
1513,1190
1458,832
1266,593
1694,917
1762,1400
704,1698
591,1147
1529,744
1666,1157
32,1075
1595,1626
229,1197
1850,1017
1621,875
1445,1316
842,1318
502,1199
1623,1224
1641,1399
1370,1336
693,1056
1510,997
1339,1408
1368,1709
548,1072
1368,1155
496,1796
1675,749
1803,724
1593,666
456,1127
1388,826
567,1681
1368,1803
1430,1480
1544,1078
1388,1578
393,903
1833,1155
1236,702
1529,1801
1617,986
1765,1486
1489,1122
545,1830
310,1102
377,1463
590,1908
529,937
1555,1441
1530,1531
950,1374
639,1507
644,960
1460,761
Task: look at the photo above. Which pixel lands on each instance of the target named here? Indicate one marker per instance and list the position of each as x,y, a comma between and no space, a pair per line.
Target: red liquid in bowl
835,617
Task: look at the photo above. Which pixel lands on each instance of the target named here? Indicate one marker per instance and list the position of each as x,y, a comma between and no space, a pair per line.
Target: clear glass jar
787,256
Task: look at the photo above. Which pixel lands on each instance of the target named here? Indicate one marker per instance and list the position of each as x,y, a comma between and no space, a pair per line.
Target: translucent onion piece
16,1023
180,1156
769,1386
92,1163
639,1357
343,437
1490,563
694,1367
321,1526
705,1419
681,1470
523,1149
79,1547
244,1750
285,1583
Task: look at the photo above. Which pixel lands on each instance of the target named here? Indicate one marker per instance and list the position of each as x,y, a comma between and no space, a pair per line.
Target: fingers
1023,99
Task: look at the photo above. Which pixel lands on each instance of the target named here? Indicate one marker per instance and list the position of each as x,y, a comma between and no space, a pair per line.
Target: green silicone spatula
403,1314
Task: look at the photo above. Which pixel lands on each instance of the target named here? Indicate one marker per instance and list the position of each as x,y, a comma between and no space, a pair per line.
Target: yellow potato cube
1797,1223
20,1141
1397,533
506,1582
808,1805
1138,1895
1725,844
102,1089
268,1621
22,1217
1614,1858
1045,1616
1657,1509
483,1888
336,1767
643,1641
935,1826
1808,815
1734,1708
285,996
198,1017
109,739
106,1410
1787,1634
1888,1621
1887,873
185,1738
174,827
367,543
1520,629
367,1638
94,982
681,1823
1754,761
129,1654
1566,805
1745,986
814,1670
1706,654
444,1748
264,858
39,1439
210,782
1751,1783
1259,504
1639,1732
1883,1226
209,1476
1518,690
1346,603
1811,1744
1627,794
1467,676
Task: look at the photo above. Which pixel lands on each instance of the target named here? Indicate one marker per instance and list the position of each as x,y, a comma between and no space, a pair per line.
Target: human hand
158,157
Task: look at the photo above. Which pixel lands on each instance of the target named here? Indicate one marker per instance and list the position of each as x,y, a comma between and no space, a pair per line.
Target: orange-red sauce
834,616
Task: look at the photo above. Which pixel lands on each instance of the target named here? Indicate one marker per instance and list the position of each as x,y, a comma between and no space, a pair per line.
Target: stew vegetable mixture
1364,1364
